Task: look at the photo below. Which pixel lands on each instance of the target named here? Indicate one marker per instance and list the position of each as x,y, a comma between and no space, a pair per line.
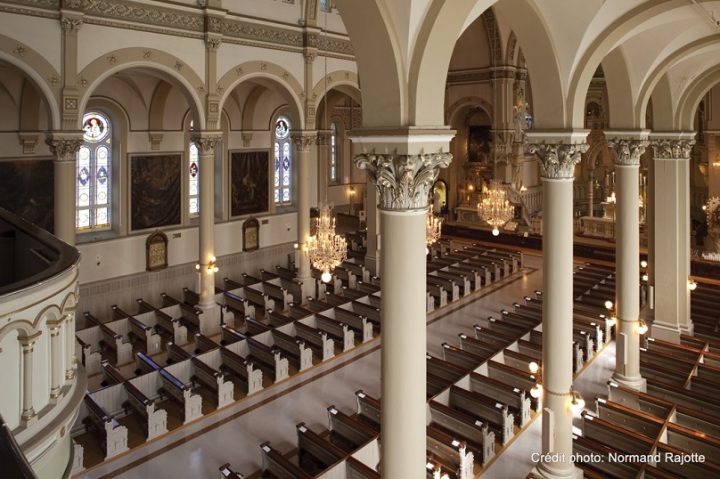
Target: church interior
216,217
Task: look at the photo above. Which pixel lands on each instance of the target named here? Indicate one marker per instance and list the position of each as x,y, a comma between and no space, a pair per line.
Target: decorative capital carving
304,140
672,149
403,181
64,145
558,160
212,42
28,140
70,24
627,152
206,141
155,138
246,139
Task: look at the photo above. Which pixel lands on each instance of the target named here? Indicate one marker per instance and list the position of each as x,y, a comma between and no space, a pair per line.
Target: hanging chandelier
494,207
326,249
433,229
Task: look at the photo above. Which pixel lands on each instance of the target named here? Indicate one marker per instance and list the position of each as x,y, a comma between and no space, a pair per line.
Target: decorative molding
212,42
254,31
70,24
155,138
403,181
666,149
64,145
140,13
246,139
207,141
558,160
303,140
627,152
28,140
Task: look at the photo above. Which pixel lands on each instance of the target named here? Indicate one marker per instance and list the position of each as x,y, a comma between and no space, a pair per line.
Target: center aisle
237,440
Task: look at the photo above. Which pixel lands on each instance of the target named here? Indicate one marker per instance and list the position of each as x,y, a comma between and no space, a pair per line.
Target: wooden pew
182,394
615,436
317,338
517,399
278,466
191,316
111,340
165,325
356,321
112,435
450,452
243,370
269,359
368,410
316,450
462,358
478,436
90,355
358,470
143,333
227,473
239,304
337,330
495,414
155,420
294,349
346,432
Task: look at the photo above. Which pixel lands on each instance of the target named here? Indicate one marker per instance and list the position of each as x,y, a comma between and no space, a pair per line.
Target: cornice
185,23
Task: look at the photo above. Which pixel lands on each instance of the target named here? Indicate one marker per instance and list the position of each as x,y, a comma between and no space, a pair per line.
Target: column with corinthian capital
627,147
64,145
303,142
558,154
672,235
403,175
207,142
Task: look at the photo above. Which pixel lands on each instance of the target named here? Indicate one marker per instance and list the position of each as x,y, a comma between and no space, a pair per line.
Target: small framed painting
251,234
156,255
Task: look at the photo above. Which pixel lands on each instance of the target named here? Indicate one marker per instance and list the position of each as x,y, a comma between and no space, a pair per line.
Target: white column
672,236
206,142
27,343
403,182
627,151
558,155
56,367
70,346
303,142
64,146
373,250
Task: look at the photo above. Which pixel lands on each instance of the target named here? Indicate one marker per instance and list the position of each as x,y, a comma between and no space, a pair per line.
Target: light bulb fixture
643,264
608,305
536,391
326,249
212,267
642,327
197,267
613,321
433,228
645,277
533,367
692,285
577,403
494,207
296,246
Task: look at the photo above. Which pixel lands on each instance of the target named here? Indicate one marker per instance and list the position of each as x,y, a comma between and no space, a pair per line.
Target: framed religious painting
155,190
249,185
156,253
251,234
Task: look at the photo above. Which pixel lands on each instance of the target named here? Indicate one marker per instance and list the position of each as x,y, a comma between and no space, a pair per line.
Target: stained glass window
325,5
93,176
282,162
194,179
333,152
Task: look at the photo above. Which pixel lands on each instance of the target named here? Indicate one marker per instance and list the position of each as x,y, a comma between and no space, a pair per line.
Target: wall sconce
608,305
212,267
577,403
642,327
692,285
533,367
351,195
536,391
645,277
643,264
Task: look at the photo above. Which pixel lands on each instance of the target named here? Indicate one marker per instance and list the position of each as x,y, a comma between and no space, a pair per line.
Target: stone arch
156,112
267,74
44,76
692,96
663,109
464,102
620,99
443,25
511,48
175,71
24,327
663,66
69,303
493,33
603,44
49,313
343,81
29,107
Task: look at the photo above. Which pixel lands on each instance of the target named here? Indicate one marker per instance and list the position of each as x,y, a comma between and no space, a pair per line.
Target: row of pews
481,393
704,304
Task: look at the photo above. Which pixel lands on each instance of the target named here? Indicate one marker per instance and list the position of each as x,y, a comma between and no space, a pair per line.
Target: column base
210,319
669,332
372,263
308,288
541,470
56,394
69,374
28,417
637,383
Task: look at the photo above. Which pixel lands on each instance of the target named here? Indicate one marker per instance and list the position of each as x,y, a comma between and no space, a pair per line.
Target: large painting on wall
155,190
478,146
26,189
249,182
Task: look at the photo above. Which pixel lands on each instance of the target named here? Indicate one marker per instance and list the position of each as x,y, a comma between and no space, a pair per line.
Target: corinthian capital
666,149
303,140
403,181
206,141
627,152
64,145
558,160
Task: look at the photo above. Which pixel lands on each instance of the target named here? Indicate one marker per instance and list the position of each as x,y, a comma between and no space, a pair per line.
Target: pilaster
64,146
303,142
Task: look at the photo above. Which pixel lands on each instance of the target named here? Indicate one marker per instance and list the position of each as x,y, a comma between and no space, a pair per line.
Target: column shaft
28,411
627,277
404,344
207,228
70,346
372,255
56,373
557,324
303,215
64,145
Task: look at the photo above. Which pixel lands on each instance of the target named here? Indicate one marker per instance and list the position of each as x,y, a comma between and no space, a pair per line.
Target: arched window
93,180
325,5
193,177
283,162
333,152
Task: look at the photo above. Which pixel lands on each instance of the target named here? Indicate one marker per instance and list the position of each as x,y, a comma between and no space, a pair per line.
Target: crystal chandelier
433,229
494,207
326,249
